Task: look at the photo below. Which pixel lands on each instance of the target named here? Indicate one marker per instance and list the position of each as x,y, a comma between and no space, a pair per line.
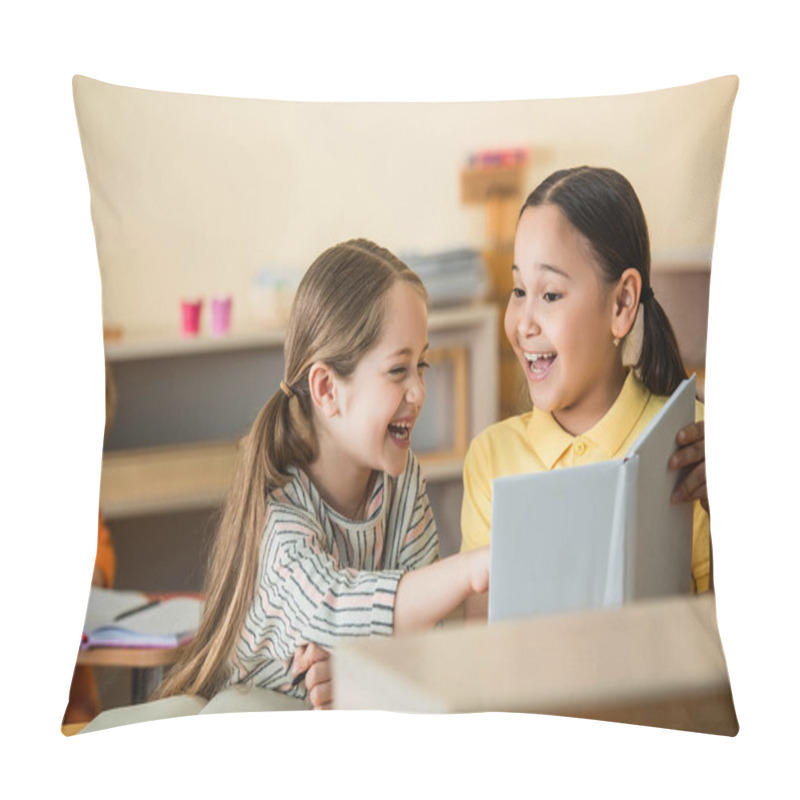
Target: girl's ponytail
272,443
660,366
289,441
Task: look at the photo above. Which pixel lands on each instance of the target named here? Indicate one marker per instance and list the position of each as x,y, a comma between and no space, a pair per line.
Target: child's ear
322,384
626,302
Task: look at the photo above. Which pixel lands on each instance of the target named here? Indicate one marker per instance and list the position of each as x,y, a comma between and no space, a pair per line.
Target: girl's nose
415,394
527,324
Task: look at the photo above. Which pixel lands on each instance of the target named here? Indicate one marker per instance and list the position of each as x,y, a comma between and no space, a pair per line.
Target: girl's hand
312,660
691,454
478,567
427,595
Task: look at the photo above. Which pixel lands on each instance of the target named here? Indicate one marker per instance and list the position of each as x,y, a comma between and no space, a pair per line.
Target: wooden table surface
656,663
133,657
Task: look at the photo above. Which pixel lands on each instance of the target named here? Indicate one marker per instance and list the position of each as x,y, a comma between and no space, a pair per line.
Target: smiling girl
327,530
581,273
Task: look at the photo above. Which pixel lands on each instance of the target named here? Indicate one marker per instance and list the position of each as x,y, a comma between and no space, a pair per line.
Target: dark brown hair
602,205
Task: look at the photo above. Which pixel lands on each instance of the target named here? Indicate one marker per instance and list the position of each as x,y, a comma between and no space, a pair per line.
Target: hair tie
647,294
286,389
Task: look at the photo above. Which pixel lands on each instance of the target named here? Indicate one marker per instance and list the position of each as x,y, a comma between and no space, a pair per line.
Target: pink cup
220,315
190,317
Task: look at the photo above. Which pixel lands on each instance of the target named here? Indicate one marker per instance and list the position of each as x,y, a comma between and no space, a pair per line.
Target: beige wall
193,195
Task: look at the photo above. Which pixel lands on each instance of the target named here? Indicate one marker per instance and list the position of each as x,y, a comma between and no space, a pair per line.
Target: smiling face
377,406
560,319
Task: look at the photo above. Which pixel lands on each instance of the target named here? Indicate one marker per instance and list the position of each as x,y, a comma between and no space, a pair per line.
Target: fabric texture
323,576
535,442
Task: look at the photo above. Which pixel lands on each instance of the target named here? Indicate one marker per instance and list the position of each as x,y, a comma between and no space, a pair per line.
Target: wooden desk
656,663
147,665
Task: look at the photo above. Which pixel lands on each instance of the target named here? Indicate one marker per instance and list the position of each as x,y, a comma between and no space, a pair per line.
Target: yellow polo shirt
535,442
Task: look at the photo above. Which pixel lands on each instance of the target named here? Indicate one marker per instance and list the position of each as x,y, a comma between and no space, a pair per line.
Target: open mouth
400,432
539,363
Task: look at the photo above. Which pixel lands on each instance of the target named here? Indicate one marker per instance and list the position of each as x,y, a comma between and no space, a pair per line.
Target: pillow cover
200,198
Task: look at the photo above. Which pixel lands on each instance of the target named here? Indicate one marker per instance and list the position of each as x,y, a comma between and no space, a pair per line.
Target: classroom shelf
155,344
163,480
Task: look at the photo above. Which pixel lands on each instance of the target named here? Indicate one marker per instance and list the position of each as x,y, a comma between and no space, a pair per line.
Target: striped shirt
323,576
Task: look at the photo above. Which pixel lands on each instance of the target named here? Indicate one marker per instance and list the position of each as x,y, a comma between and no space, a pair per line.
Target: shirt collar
551,441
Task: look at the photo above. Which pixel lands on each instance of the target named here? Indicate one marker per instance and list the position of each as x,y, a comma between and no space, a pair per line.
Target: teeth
400,428
534,357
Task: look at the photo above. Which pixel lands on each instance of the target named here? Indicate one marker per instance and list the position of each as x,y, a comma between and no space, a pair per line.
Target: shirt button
580,447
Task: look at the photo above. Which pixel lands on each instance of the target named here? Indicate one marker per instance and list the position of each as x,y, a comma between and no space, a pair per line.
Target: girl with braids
327,531
581,272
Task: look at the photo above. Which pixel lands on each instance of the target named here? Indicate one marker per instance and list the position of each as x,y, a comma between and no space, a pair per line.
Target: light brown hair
337,316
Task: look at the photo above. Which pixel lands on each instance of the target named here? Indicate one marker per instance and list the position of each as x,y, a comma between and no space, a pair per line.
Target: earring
616,342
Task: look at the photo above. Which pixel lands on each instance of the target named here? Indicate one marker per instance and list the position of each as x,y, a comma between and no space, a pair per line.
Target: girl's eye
518,293
401,371
551,297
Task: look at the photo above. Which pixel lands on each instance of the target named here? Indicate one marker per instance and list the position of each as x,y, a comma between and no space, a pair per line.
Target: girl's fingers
321,696
685,456
315,653
318,673
307,654
691,433
298,662
318,683
693,486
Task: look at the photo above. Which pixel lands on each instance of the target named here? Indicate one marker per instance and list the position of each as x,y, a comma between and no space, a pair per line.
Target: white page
659,538
551,540
105,604
178,615
624,508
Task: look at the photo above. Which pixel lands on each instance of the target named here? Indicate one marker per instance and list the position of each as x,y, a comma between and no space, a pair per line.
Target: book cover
597,535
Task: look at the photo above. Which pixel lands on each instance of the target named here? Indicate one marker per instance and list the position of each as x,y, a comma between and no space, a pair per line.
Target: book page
659,539
240,698
178,615
551,541
180,705
105,604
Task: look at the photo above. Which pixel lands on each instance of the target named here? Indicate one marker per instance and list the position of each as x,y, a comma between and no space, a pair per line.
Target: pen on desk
132,611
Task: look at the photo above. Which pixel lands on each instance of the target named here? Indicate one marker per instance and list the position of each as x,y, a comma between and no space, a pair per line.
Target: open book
132,619
234,699
595,535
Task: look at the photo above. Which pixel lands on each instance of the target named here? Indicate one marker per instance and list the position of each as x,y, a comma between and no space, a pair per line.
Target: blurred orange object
111,333
84,701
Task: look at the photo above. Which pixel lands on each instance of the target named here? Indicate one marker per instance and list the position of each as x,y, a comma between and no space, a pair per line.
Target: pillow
201,197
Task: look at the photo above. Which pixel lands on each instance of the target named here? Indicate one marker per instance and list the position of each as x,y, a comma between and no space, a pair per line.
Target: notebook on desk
133,619
594,536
